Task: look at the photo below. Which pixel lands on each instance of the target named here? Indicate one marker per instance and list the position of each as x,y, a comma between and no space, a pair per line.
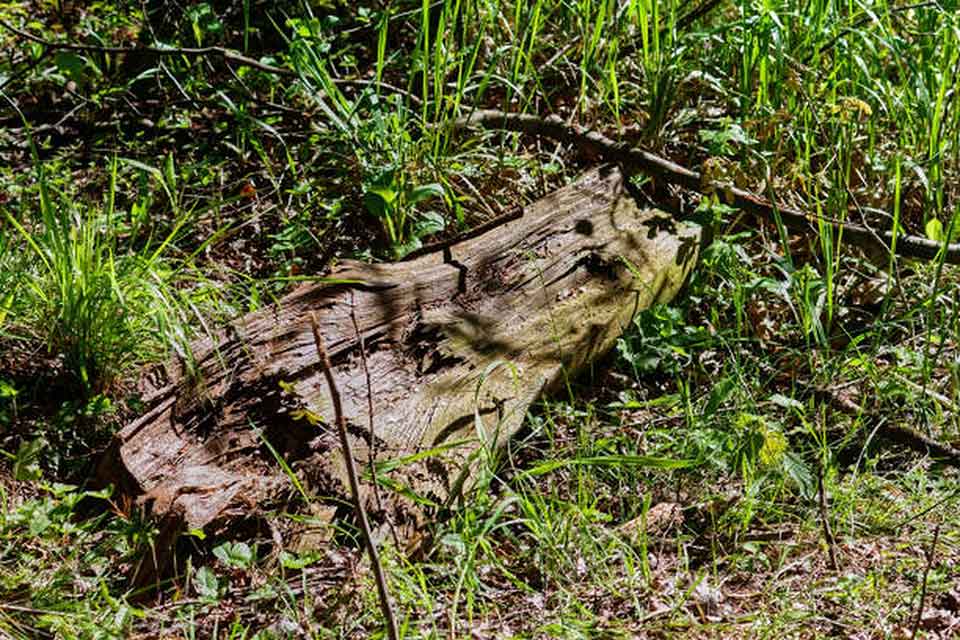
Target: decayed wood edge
638,159
674,247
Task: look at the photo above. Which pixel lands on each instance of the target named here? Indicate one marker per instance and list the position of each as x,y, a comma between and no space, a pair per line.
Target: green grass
99,303
711,409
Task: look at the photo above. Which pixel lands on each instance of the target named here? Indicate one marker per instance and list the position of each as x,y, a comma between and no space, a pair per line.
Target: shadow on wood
457,344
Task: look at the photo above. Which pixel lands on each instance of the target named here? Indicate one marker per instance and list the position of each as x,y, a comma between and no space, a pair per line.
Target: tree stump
449,350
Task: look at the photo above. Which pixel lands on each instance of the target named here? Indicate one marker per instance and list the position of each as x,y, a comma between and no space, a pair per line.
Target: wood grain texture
458,344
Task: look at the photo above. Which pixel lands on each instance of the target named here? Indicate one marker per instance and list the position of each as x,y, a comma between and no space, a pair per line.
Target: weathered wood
457,343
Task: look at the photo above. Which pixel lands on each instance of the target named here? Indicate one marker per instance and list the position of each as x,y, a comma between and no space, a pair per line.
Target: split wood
458,344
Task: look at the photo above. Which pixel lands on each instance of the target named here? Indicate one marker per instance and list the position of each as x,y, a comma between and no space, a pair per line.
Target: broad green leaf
71,65
934,230
718,395
403,248
429,223
386,193
7,390
39,521
424,192
787,403
25,465
299,560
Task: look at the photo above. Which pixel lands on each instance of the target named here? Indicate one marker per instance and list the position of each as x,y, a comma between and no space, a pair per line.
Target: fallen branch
898,433
451,349
633,158
193,52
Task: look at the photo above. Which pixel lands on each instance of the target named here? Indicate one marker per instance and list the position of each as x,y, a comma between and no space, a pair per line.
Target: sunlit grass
714,404
99,305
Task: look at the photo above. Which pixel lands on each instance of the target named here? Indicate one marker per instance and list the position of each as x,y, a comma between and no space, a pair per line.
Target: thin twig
825,520
200,52
389,618
30,66
900,433
374,443
638,159
33,611
933,394
923,586
193,52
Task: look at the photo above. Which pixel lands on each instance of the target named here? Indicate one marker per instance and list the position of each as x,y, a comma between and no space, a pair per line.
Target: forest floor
147,197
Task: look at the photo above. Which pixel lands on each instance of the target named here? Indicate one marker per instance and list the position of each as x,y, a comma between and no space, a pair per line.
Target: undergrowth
725,473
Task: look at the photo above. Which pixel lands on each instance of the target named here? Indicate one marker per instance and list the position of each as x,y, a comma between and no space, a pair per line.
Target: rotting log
456,345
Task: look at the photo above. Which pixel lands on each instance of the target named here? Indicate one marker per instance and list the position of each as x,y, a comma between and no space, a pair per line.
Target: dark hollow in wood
458,344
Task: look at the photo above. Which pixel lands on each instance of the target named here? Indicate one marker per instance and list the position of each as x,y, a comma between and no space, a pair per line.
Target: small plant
727,139
661,342
8,402
58,555
393,203
203,22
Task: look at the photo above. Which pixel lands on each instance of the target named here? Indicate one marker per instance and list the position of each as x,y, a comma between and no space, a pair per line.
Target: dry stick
374,444
201,52
689,18
352,476
923,586
899,433
671,172
825,520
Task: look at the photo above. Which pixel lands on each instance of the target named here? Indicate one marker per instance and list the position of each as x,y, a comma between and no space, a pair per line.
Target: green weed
101,306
